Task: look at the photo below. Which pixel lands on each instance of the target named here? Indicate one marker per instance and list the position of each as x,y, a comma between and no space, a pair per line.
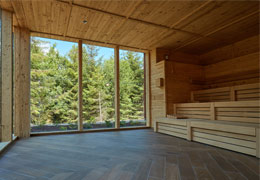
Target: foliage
54,86
122,123
108,124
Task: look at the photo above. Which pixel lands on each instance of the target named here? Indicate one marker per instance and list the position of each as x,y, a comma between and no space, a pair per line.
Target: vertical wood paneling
6,53
22,82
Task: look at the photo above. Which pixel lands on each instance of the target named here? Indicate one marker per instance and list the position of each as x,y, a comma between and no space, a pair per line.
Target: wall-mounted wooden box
159,82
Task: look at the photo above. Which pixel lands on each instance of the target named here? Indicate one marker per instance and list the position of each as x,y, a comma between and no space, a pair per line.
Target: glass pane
54,85
131,75
98,87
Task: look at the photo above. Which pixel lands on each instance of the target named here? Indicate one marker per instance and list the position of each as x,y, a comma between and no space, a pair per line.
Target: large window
98,87
54,85
131,82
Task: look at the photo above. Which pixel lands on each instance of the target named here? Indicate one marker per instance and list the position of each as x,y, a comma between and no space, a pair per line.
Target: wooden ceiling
194,27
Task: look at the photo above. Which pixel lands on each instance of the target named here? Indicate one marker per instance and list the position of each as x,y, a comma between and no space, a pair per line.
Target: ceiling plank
68,20
127,16
192,12
218,29
132,19
169,34
19,13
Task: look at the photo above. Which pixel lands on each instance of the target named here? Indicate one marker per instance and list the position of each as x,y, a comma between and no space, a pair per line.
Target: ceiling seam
93,41
216,30
132,19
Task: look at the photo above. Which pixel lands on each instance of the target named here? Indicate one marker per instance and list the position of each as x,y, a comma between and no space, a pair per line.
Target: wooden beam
80,97
147,89
87,131
117,88
22,82
6,77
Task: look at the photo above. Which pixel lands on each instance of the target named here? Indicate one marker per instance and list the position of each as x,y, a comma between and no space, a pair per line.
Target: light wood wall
22,82
180,78
231,65
6,77
158,95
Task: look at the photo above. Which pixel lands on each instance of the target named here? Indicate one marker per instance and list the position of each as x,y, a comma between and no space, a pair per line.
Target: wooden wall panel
240,70
241,48
179,78
22,82
232,65
176,56
6,78
158,100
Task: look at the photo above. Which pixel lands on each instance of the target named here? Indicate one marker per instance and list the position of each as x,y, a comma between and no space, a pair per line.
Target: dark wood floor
122,155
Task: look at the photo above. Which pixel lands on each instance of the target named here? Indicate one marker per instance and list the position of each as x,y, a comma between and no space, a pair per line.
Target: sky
64,46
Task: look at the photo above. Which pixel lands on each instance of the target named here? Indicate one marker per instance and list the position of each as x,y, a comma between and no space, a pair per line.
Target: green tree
54,85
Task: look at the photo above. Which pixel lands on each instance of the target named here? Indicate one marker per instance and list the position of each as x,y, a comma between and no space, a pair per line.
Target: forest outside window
55,87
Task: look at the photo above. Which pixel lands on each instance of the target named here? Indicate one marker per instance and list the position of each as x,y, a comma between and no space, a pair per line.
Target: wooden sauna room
129,90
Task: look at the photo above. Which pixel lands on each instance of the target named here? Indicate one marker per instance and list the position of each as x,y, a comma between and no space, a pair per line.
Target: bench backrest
238,111
246,92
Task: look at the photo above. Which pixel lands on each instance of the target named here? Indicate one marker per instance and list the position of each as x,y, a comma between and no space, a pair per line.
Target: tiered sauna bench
232,125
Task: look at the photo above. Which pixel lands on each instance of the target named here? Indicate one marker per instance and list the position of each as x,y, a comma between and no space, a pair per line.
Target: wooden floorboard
122,155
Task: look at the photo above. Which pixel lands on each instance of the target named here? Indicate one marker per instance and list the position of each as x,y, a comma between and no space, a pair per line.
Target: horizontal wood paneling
158,101
240,48
221,144
232,65
245,92
233,136
237,111
178,80
174,130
